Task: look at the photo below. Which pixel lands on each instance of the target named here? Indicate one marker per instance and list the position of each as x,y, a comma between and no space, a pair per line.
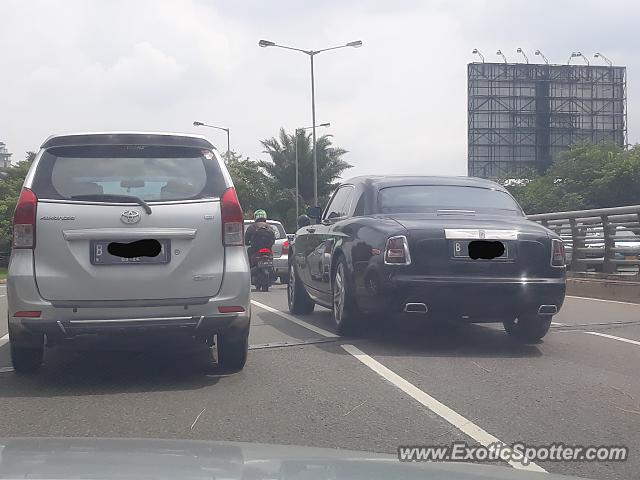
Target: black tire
284,279
528,328
27,351
346,317
232,352
297,298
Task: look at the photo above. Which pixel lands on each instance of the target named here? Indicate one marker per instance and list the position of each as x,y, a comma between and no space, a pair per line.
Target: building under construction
520,116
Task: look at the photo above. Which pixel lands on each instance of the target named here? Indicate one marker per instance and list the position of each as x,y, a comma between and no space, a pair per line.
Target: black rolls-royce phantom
455,248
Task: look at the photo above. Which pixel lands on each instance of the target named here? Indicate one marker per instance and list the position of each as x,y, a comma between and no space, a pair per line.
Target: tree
282,167
584,177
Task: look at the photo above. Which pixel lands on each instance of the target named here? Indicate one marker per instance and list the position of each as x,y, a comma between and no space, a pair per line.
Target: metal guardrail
603,240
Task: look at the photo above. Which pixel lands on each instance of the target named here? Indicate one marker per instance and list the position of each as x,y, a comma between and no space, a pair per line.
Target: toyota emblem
130,216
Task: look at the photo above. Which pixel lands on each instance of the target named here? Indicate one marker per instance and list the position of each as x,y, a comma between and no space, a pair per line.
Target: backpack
263,237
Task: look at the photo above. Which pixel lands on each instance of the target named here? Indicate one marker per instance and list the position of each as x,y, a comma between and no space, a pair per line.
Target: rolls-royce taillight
396,251
557,253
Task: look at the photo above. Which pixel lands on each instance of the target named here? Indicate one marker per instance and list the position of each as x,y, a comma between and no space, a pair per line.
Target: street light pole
312,53
313,123
304,129
228,154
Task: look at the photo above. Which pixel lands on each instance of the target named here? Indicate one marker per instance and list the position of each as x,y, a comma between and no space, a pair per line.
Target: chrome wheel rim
338,295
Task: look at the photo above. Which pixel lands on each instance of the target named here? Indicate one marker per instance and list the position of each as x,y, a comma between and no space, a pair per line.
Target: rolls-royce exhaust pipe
547,310
415,308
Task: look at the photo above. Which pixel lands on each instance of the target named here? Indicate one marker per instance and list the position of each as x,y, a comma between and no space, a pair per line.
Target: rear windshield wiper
107,197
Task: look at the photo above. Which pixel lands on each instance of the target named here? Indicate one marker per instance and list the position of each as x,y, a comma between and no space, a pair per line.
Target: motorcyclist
259,234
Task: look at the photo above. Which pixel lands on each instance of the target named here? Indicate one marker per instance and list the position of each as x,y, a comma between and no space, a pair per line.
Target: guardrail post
608,266
576,265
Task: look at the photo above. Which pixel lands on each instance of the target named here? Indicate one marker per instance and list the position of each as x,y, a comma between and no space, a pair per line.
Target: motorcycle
262,272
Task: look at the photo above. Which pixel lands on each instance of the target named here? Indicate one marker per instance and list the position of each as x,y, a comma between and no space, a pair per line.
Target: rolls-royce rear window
445,198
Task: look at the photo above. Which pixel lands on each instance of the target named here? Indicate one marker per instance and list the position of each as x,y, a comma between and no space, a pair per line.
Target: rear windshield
152,173
431,198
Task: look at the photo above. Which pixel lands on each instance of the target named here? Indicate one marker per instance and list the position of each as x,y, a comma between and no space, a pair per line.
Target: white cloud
397,104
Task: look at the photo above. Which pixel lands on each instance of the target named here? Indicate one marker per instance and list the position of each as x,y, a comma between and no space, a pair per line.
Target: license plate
461,249
99,254
265,263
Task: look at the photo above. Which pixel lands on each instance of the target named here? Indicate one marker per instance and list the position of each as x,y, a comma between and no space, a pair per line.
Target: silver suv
125,233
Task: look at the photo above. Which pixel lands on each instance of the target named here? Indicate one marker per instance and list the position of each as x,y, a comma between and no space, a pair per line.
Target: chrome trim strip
128,233
130,320
127,204
162,302
474,233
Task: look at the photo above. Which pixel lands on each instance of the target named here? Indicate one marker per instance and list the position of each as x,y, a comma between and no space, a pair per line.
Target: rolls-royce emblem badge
481,234
130,216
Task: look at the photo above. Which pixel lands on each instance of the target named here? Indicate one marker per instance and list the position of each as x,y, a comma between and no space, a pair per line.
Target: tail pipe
415,308
547,310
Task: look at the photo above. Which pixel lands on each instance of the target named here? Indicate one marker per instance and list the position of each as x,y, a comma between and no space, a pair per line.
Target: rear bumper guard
196,325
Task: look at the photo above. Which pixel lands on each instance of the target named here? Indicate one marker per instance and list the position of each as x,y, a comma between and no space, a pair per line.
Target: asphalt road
409,383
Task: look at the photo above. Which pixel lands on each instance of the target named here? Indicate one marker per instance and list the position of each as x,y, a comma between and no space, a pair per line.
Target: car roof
382,181
128,138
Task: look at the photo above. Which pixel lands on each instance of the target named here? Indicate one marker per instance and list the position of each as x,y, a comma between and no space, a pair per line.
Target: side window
359,210
340,204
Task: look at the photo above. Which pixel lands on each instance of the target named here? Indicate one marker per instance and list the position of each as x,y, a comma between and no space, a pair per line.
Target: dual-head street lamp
577,54
312,54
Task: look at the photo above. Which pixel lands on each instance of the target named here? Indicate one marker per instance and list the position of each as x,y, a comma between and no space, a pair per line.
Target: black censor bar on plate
139,248
485,249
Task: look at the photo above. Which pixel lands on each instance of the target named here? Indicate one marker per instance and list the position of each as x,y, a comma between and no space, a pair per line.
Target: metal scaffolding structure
520,116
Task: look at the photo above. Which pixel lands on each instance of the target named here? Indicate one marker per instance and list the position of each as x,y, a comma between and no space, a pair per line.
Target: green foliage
271,185
282,167
11,180
584,177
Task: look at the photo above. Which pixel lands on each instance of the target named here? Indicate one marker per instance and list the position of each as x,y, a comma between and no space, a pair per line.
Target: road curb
623,291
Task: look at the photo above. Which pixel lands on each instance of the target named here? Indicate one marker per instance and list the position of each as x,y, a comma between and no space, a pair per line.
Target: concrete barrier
605,289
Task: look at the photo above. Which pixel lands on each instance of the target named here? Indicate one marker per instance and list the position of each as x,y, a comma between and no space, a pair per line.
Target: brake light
264,250
285,247
24,220
231,309
396,251
557,253
27,314
232,218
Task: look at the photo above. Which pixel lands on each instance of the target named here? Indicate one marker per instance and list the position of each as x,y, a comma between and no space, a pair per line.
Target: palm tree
282,167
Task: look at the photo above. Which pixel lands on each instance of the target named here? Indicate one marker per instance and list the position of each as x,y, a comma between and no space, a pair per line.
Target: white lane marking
603,300
6,369
613,337
291,318
449,415
4,339
558,324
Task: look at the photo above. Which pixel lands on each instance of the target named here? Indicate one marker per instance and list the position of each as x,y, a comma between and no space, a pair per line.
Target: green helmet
259,214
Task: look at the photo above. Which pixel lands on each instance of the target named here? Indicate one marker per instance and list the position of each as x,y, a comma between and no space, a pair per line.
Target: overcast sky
398,104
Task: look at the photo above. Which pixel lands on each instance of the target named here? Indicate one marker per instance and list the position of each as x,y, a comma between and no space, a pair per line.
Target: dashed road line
458,421
613,337
291,318
4,339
